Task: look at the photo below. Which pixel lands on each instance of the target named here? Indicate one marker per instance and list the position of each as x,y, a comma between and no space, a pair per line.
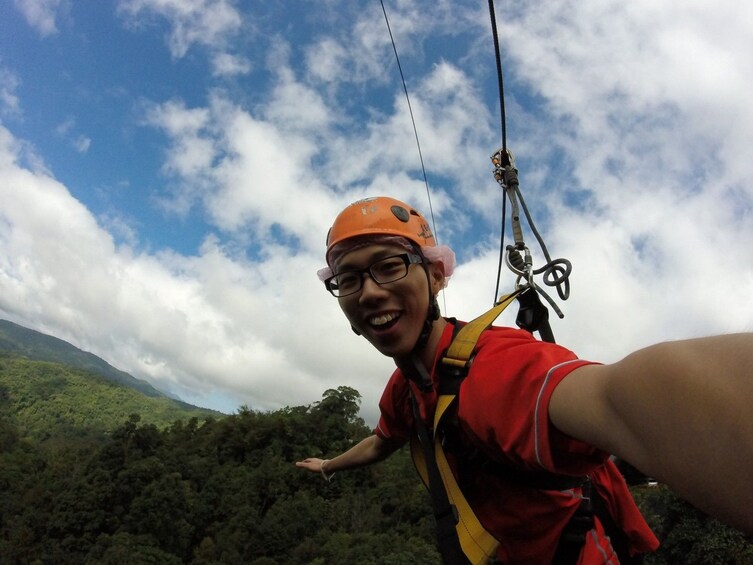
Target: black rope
503,127
415,132
500,80
556,272
413,121
501,247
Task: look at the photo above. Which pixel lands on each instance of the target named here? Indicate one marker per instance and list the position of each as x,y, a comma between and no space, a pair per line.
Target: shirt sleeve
395,419
504,404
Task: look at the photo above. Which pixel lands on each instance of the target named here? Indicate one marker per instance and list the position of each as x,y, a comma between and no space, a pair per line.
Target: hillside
49,400
24,342
51,388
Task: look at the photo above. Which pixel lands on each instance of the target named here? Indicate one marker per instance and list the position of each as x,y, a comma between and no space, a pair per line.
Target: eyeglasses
386,270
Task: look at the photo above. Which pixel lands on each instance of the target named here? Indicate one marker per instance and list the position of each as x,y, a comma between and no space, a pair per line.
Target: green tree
688,535
124,547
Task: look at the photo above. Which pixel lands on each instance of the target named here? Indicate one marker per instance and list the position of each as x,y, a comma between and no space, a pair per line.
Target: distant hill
23,342
49,400
51,388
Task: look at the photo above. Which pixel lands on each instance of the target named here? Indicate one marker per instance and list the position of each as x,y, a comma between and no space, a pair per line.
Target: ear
436,276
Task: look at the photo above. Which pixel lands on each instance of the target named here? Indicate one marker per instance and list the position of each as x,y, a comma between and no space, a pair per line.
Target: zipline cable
413,121
500,80
415,132
503,128
556,272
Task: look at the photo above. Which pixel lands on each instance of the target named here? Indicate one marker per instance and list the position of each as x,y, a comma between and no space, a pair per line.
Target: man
678,411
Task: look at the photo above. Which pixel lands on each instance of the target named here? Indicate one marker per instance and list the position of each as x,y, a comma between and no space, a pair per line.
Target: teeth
381,320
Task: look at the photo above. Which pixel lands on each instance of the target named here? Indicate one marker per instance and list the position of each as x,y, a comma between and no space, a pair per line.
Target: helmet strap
433,313
420,375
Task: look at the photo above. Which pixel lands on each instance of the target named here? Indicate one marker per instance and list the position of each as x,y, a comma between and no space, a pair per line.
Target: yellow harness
478,545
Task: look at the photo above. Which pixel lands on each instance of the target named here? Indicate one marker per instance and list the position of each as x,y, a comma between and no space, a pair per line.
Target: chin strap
431,316
420,375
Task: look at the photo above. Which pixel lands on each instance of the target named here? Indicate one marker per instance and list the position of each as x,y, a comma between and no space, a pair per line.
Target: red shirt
504,411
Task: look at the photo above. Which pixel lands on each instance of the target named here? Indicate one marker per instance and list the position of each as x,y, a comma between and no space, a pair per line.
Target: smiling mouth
383,321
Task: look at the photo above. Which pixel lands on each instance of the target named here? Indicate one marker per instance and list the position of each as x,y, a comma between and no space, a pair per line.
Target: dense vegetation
688,535
23,342
226,491
92,471
51,400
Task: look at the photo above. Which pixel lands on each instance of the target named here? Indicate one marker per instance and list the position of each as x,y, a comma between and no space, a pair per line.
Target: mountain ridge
37,346
20,341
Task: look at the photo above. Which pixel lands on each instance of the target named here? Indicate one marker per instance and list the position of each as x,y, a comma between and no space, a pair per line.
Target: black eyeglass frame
407,258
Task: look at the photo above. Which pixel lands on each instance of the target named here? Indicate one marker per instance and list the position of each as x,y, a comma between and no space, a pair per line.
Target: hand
313,464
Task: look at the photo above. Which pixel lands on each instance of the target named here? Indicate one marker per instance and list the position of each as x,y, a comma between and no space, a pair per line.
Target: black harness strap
445,513
533,315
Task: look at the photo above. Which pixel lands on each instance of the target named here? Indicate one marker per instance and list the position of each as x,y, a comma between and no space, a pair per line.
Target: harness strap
462,538
461,349
449,540
478,545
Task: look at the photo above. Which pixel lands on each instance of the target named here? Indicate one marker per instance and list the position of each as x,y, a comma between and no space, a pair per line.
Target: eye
346,281
390,266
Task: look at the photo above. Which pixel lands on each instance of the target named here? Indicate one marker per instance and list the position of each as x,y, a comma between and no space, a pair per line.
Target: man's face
390,316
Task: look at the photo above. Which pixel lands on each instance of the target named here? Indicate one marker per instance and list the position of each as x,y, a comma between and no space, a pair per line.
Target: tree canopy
225,490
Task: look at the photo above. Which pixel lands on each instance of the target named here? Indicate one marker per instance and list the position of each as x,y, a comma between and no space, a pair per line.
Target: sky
169,170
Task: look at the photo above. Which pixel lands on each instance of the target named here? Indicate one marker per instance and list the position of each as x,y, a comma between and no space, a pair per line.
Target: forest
221,490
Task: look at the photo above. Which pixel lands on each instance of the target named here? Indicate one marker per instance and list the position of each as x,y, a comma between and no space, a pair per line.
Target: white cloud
195,325
122,228
79,142
632,128
246,172
325,59
64,127
652,202
294,106
203,22
40,14
10,105
82,143
253,172
652,74
226,64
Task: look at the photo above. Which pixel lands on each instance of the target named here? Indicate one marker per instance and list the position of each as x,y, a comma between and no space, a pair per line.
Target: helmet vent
400,213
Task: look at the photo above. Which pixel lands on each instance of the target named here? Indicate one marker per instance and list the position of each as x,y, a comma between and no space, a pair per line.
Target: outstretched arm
370,450
681,412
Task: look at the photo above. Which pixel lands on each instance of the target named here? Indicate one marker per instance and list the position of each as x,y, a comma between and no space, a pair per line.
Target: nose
370,288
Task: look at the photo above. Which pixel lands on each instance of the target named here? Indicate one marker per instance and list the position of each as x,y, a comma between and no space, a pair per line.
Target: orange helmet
380,215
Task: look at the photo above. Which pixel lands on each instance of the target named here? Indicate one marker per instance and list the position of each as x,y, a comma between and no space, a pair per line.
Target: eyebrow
375,256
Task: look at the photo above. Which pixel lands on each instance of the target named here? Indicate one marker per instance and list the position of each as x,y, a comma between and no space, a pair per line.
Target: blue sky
169,169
